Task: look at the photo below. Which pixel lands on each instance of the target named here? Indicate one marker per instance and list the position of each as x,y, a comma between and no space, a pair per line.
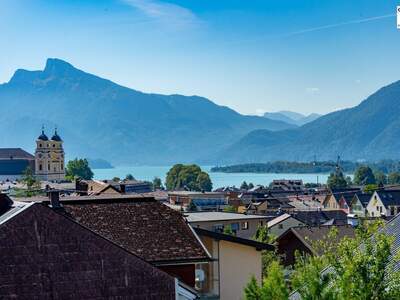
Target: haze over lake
218,179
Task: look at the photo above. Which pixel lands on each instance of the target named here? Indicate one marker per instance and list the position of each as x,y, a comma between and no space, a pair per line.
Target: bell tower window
40,167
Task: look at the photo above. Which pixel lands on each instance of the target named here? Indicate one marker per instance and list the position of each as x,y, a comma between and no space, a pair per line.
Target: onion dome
43,137
56,137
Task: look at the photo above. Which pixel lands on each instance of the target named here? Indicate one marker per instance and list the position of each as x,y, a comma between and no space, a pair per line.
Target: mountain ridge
370,130
100,118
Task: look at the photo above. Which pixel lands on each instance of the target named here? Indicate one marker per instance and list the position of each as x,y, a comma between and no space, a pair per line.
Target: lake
218,179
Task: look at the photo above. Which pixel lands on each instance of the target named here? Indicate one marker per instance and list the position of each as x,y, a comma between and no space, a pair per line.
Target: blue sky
254,56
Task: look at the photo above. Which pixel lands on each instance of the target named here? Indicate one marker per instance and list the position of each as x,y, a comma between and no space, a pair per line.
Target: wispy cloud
164,12
329,26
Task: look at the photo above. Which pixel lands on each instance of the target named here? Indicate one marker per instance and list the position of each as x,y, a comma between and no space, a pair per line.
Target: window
235,227
380,209
48,167
62,166
260,223
40,145
398,209
245,225
54,145
40,167
392,211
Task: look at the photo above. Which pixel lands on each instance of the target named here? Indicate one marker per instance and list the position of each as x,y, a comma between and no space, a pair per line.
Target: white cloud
167,13
312,90
260,112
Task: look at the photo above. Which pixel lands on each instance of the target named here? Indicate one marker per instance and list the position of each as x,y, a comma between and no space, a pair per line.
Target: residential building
46,255
269,205
97,187
384,203
244,226
287,185
359,204
13,163
203,201
143,226
332,200
321,217
302,239
235,261
282,223
49,157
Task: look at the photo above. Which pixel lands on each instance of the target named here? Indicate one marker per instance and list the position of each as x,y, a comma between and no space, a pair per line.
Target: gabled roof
319,217
145,227
15,153
309,235
278,220
389,197
364,198
57,258
234,239
220,216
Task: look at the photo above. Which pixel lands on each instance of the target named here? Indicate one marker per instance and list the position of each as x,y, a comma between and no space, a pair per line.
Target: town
65,234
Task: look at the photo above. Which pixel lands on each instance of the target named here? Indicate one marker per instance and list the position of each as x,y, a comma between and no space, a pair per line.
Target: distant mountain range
369,131
100,119
291,117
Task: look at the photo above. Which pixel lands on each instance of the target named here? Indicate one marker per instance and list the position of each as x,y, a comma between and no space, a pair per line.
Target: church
49,157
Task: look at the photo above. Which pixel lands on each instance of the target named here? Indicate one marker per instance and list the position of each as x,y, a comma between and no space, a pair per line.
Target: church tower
49,157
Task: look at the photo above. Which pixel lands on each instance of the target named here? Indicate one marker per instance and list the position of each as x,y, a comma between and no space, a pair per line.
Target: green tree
273,286
189,177
203,182
380,177
252,290
78,168
244,186
228,230
28,178
370,188
230,209
192,206
129,177
394,178
364,175
267,257
116,179
157,184
251,185
337,180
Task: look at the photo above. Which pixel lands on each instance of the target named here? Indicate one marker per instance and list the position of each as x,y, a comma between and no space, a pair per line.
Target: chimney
54,196
122,188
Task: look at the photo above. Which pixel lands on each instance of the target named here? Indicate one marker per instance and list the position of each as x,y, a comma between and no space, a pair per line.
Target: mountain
368,131
291,117
100,119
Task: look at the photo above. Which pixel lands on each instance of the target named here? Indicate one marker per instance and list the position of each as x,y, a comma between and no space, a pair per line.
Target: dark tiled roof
234,239
44,255
390,197
149,229
315,217
364,198
15,153
309,235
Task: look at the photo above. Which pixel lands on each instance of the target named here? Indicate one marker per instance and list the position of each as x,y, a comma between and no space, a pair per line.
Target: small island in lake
385,166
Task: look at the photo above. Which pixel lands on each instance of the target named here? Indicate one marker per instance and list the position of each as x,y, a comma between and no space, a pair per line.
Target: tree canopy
337,180
364,175
79,168
189,177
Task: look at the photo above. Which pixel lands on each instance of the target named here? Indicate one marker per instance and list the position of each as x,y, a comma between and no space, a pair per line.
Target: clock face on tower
54,156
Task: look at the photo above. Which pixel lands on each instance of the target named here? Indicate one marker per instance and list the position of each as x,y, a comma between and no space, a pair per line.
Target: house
46,255
321,217
282,223
332,200
303,238
94,188
287,185
384,203
203,201
97,187
143,226
13,163
359,204
244,226
271,204
235,261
